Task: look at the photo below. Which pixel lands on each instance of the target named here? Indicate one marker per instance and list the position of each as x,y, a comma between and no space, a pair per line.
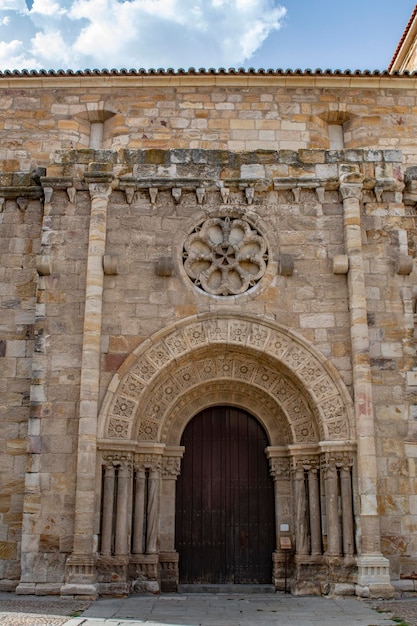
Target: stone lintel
98,178
177,451
14,192
57,182
142,447
274,452
337,446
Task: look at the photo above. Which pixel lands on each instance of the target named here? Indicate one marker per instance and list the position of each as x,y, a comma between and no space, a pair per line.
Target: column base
169,572
373,577
79,591
80,577
144,573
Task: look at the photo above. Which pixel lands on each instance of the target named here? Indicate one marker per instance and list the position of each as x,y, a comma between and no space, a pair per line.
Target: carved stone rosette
225,256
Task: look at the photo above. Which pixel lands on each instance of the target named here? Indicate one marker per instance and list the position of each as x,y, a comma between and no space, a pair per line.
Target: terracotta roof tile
404,35
200,71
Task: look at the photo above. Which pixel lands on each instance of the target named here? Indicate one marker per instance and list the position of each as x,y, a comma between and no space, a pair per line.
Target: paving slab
231,610
208,609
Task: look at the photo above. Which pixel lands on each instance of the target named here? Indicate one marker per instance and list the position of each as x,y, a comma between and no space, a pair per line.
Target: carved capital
279,468
148,461
118,459
99,184
351,190
304,463
171,467
331,461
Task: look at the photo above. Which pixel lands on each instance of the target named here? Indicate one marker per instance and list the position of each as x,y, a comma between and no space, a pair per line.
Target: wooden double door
225,518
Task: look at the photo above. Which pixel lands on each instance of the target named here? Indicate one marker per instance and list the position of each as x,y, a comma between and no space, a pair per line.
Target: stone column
315,511
138,527
370,544
168,556
279,464
347,511
107,515
80,566
152,511
301,530
332,508
280,472
121,547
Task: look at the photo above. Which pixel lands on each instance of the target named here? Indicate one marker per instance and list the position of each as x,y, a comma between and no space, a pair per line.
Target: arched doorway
225,522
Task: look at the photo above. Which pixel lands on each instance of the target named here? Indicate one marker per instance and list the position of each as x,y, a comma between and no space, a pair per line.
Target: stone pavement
204,610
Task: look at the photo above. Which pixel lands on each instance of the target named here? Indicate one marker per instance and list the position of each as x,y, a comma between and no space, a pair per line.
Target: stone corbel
164,266
378,193
22,203
71,192
48,193
44,265
153,194
296,192
404,264
176,194
129,193
225,193
389,184
286,264
110,264
250,194
340,264
200,192
320,194
2,200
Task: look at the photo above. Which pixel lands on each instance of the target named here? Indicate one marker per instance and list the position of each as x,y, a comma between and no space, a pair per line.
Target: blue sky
79,34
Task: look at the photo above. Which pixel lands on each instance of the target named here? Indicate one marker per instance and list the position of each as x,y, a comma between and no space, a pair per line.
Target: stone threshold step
229,589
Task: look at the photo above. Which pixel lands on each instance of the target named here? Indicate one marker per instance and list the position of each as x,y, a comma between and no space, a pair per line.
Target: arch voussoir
241,358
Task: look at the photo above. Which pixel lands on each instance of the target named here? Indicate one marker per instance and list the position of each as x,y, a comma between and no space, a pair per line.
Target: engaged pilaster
99,183
351,192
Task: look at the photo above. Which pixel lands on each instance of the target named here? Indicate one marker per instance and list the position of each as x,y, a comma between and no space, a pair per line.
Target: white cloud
13,5
45,46
13,55
47,7
144,33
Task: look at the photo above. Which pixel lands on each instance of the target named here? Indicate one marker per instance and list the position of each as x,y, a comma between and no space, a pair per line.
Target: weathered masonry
207,349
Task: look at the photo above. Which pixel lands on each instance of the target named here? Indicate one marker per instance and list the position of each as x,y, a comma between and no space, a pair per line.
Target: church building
208,292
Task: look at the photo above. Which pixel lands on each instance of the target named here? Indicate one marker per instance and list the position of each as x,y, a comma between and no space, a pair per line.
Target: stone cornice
207,78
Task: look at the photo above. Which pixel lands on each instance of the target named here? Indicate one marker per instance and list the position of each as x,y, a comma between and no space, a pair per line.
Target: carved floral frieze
258,355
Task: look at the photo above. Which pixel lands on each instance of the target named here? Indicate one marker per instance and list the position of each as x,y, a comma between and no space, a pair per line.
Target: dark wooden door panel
225,502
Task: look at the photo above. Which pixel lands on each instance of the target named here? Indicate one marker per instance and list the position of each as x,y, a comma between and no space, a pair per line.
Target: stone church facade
207,350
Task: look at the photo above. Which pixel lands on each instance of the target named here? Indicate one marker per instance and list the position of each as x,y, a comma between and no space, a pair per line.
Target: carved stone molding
223,359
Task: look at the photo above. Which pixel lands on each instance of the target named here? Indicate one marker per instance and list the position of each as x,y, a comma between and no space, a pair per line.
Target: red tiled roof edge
201,72
404,35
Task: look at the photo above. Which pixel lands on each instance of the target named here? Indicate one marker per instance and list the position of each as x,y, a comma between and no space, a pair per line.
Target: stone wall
20,224
235,113
173,155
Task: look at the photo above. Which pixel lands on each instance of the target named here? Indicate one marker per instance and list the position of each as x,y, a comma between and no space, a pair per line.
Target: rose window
225,256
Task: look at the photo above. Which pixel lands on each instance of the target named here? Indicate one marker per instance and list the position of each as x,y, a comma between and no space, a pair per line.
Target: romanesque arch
257,366
163,376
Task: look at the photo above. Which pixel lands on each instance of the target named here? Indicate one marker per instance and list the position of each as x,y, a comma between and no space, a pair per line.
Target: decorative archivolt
220,359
